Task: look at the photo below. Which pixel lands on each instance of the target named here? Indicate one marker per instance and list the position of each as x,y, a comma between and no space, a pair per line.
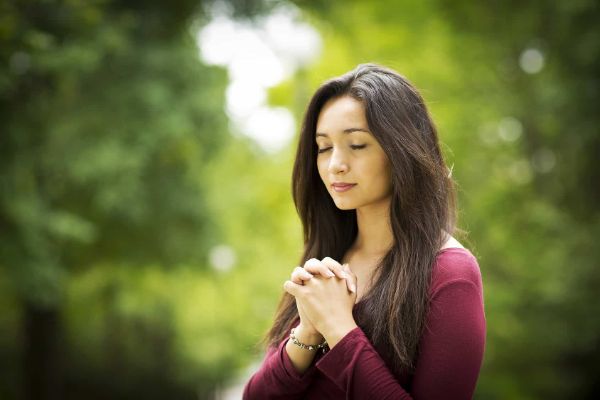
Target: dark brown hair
422,210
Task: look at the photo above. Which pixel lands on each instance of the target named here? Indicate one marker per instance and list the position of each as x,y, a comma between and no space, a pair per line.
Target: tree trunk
41,353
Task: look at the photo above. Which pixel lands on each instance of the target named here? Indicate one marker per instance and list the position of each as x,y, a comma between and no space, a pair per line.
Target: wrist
307,335
337,332
305,346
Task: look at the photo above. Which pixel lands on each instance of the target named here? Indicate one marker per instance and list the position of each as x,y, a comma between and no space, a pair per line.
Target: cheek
381,175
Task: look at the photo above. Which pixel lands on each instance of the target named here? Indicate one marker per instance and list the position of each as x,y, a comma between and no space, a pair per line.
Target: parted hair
422,210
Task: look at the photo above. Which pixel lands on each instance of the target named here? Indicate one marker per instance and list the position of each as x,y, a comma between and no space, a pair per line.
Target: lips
342,186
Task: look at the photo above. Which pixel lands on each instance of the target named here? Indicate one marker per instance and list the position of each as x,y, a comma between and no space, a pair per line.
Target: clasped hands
325,293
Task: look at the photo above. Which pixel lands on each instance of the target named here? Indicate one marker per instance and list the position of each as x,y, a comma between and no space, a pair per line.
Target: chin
344,205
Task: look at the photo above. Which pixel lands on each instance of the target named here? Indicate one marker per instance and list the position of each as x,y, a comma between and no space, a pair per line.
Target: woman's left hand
328,304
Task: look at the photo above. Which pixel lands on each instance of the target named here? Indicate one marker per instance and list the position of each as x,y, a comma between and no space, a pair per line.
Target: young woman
387,304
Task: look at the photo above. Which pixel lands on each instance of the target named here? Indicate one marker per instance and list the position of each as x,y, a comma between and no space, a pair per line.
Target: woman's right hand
328,268
299,276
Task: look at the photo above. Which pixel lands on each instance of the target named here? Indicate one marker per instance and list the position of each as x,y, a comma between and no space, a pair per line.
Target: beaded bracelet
309,347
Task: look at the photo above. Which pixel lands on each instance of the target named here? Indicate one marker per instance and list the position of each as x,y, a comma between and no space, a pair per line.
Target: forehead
341,113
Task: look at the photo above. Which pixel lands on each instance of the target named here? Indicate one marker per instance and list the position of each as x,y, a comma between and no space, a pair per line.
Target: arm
288,370
450,356
277,377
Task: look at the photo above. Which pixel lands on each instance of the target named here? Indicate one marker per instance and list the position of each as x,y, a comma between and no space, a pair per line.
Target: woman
387,305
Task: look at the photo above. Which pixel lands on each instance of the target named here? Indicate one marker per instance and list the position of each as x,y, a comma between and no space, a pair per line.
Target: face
351,163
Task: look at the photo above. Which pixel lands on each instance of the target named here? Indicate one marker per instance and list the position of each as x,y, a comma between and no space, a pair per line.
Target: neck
375,235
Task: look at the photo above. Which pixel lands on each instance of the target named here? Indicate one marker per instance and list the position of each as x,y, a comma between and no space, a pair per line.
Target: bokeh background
146,147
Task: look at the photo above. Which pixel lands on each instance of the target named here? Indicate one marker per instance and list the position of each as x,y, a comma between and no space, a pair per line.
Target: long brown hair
422,210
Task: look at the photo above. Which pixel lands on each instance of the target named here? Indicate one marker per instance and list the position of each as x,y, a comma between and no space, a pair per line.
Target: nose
338,164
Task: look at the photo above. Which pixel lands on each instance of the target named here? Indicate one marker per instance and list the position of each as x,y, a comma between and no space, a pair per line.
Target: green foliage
105,126
108,117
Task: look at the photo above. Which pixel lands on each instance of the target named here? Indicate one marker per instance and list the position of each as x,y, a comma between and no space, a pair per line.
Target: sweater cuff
343,353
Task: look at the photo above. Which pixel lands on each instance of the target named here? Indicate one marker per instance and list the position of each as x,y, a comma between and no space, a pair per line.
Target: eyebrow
346,131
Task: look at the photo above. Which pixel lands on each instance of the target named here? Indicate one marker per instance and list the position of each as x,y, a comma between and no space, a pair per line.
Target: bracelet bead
309,347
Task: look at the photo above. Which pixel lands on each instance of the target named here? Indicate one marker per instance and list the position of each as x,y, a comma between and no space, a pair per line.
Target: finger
335,267
292,288
315,267
299,275
353,280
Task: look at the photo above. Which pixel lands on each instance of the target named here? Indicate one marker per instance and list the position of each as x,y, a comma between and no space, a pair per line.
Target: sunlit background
146,148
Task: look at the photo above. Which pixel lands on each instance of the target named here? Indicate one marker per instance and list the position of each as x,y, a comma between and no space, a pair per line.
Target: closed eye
353,147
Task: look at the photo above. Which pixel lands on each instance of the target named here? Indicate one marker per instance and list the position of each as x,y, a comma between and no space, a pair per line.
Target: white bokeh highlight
259,55
510,129
543,160
222,258
531,60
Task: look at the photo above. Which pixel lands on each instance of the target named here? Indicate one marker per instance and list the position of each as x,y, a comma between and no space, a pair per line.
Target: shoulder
455,265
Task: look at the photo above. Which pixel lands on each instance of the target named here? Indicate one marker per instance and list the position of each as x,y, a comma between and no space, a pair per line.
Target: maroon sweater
447,367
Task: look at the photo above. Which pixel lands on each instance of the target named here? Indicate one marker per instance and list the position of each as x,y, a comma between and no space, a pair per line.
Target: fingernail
353,288
330,274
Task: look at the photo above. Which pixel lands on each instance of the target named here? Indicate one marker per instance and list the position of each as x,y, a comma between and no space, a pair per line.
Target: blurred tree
106,113
543,271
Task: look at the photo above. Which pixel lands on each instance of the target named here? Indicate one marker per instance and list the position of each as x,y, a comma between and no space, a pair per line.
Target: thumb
351,280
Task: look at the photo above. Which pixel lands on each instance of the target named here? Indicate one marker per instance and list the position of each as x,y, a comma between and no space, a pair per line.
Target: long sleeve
277,378
451,351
